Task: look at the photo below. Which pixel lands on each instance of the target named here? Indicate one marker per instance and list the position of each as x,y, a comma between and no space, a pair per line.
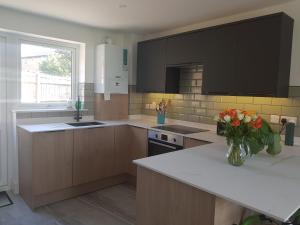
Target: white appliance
111,70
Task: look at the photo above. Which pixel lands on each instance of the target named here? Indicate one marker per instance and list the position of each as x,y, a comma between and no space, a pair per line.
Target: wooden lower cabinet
93,154
164,201
57,165
138,147
52,159
122,153
190,143
130,143
45,162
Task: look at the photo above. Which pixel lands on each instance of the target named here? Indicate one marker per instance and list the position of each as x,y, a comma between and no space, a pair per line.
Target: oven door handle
164,145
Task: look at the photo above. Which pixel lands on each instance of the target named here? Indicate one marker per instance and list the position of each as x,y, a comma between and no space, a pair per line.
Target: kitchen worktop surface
266,184
142,121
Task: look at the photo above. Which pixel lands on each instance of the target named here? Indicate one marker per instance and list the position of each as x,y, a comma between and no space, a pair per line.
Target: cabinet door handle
163,145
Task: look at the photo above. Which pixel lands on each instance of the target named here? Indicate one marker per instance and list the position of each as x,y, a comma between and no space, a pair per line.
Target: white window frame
75,48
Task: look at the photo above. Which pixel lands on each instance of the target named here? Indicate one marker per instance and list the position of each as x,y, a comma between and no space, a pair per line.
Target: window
47,73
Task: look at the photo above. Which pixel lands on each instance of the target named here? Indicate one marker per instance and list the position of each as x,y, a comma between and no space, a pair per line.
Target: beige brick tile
196,104
200,111
290,111
189,97
231,99
178,96
296,101
282,101
212,113
200,97
245,100
213,98
271,109
223,106
252,107
193,118
262,100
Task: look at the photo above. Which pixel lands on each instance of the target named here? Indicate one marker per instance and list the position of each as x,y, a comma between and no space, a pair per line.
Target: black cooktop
179,129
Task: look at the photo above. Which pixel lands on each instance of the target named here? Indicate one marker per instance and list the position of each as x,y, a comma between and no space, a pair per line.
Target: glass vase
237,153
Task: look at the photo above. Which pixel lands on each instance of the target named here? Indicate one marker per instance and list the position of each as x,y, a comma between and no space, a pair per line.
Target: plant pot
237,153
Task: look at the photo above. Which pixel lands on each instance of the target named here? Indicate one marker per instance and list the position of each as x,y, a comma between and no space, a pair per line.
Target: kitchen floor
111,206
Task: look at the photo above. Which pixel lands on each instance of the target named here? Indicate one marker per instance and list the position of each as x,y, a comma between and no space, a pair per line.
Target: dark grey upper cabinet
219,66
151,66
153,75
187,48
264,55
246,58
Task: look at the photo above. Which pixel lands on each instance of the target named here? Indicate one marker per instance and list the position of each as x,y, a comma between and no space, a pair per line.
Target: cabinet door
258,44
52,161
138,146
188,48
93,154
219,68
151,70
122,152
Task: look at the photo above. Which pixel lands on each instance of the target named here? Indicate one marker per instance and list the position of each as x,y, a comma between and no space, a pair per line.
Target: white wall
44,26
291,8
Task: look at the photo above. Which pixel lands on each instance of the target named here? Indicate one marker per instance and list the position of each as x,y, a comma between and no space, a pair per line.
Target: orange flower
222,114
232,113
257,123
236,123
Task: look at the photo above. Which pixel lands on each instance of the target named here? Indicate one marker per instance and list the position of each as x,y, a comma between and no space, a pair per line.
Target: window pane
46,74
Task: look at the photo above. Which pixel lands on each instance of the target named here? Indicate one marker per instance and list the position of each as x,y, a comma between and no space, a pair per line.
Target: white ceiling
141,16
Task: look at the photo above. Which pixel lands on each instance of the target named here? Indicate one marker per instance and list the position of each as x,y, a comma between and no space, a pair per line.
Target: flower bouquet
247,134
161,110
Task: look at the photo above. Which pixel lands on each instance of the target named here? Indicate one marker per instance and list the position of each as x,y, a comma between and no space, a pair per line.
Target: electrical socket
289,119
275,119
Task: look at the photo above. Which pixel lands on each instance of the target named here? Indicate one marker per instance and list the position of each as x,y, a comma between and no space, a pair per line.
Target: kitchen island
198,186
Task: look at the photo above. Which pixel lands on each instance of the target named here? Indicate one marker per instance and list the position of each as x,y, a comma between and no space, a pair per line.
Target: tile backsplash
190,105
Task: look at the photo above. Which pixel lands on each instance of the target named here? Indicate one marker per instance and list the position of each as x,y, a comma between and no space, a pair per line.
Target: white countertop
142,121
269,185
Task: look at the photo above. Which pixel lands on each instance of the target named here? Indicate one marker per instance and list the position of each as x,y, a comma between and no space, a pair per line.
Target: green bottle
289,134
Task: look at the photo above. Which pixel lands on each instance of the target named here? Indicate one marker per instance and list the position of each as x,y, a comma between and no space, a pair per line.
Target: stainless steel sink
85,124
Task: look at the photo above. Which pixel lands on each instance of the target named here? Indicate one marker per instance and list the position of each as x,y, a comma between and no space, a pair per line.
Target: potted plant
247,134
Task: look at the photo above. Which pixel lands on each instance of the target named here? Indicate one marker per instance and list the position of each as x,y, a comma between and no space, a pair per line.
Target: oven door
156,147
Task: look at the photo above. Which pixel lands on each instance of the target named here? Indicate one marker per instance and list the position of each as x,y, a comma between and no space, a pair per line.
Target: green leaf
274,147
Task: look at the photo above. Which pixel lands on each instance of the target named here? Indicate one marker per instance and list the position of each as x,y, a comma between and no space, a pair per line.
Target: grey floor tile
111,206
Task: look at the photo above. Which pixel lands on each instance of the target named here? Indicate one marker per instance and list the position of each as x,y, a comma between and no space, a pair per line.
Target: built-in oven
163,142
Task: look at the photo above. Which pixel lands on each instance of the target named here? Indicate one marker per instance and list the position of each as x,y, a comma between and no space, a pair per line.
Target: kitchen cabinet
93,154
190,142
246,58
45,162
122,152
138,147
153,76
264,56
219,66
188,48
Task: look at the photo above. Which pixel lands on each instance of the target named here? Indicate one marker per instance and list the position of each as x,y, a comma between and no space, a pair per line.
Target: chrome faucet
78,116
